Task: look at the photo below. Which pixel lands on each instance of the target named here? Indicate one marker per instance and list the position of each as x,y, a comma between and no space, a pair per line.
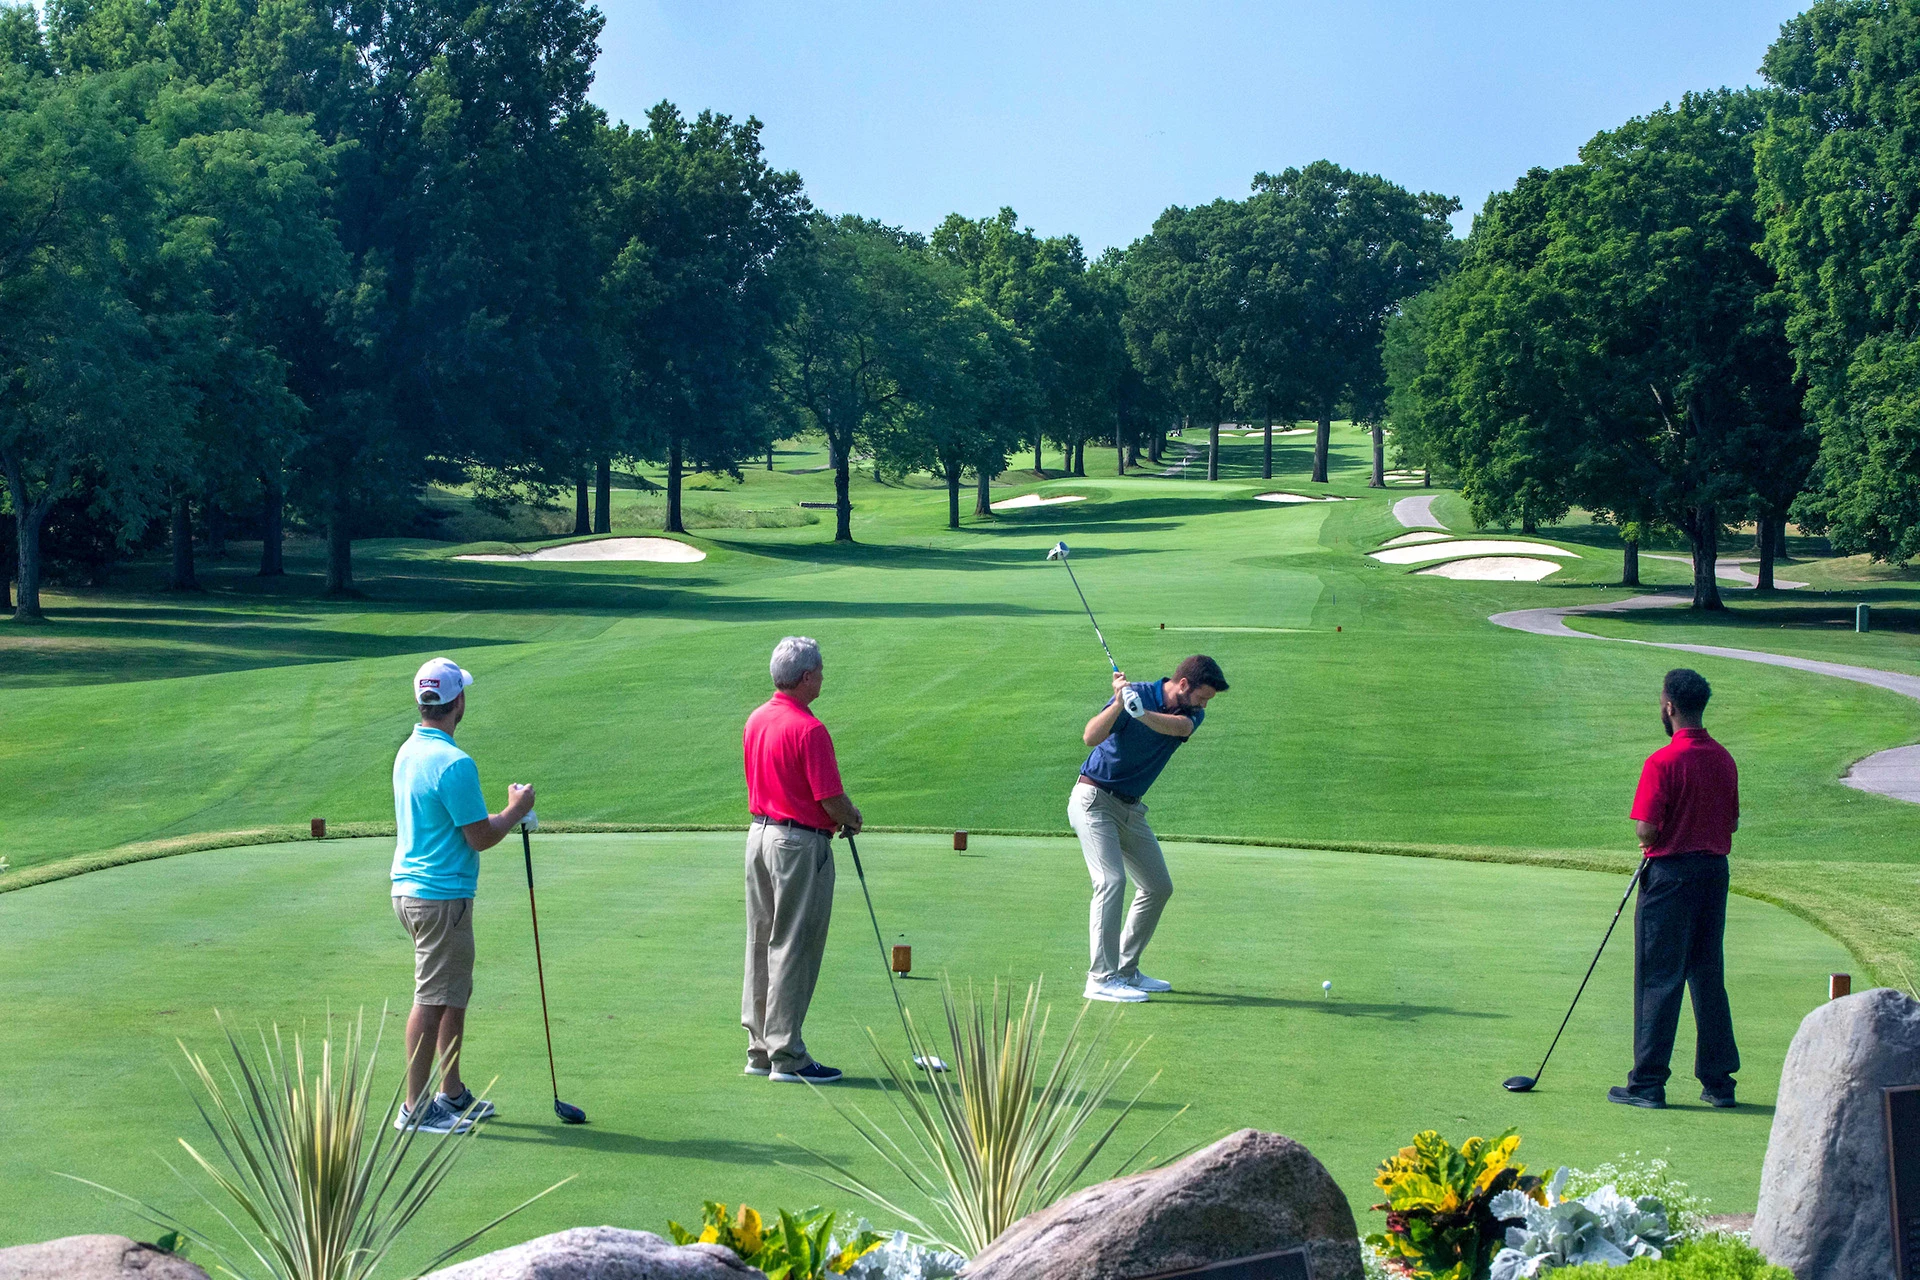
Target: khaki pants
1117,843
789,904
442,933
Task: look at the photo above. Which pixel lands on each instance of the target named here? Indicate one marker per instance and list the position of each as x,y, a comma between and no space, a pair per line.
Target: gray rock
603,1253
94,1258
1824,1211
1249,1193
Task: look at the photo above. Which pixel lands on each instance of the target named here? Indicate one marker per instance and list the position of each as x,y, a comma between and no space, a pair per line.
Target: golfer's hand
853,828
519,800
1120,683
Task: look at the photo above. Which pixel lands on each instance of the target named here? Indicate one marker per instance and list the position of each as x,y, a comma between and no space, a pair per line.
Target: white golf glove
1130,699
531,822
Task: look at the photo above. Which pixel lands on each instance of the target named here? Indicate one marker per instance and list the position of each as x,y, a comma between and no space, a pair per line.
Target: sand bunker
1468,547
660,550
1424,535
1299,497
1035,500
1493,569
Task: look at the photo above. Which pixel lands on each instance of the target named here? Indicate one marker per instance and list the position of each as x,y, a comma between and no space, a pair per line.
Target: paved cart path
1417,513
1894,773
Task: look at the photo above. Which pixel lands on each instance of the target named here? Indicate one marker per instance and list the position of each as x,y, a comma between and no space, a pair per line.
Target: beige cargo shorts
442,933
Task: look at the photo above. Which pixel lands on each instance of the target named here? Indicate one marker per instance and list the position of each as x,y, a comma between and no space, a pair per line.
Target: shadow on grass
1787,613
1333,1008
588,1137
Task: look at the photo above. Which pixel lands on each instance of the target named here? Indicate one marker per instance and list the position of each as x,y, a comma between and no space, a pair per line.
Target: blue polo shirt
1132,756
436,791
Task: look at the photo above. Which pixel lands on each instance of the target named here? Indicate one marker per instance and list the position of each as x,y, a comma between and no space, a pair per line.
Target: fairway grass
1373,710
1447,977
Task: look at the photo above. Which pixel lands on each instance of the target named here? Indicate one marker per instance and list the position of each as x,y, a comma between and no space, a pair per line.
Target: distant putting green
1373,710
1447,977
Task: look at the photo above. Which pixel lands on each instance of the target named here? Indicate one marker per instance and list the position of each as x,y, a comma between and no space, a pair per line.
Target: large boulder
1824,1212
1249,1193
603,1253
94,1258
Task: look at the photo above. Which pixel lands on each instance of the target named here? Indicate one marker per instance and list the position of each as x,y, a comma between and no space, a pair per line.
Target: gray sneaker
435,1117
466,1104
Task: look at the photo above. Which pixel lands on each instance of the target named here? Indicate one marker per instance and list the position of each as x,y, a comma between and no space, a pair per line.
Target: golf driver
1130,698
924,1062
565,1110
1524,1084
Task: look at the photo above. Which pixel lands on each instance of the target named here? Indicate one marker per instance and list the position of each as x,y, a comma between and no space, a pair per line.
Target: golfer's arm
1648,833
1161,722
1101,726
842,811
490,830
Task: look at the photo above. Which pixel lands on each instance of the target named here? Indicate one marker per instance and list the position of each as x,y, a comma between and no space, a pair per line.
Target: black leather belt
1117,795
788,822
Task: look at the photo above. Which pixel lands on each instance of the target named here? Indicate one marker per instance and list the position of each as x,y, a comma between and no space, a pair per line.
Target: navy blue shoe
1718,1099
1628,1098
812,1073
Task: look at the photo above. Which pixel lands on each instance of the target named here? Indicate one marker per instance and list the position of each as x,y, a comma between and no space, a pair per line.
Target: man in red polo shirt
794,793
1685,813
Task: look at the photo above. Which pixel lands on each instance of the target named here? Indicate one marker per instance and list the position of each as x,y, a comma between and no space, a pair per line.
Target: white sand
1468,547
659,550
1494,569
1299,497
1424,535
1035,500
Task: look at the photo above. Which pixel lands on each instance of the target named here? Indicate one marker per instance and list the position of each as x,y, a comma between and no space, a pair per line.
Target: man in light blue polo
443,827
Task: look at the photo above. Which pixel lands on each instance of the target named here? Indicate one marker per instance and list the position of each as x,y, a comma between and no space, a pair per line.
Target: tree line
1709,320
282,263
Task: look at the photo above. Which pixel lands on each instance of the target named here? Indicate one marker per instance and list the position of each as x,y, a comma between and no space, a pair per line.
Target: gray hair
793,657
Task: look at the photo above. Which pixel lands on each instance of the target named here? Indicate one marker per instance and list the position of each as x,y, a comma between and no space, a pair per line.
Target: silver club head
1059,551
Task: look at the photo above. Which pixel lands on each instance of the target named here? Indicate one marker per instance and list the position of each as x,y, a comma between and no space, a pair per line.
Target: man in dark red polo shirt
794,793
1685,813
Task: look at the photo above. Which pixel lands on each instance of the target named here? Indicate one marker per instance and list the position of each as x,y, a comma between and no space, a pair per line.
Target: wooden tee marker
1839,984
902,959
960,841
319,828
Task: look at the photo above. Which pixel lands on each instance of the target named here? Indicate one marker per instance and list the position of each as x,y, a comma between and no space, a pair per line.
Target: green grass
1371,709
1448,977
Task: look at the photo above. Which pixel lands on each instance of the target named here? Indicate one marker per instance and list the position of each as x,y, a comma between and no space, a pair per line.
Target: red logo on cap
430,680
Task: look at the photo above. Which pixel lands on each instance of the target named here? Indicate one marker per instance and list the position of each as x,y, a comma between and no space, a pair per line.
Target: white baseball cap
440,681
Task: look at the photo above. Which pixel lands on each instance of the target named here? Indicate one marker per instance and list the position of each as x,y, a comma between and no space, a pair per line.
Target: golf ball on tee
1327,986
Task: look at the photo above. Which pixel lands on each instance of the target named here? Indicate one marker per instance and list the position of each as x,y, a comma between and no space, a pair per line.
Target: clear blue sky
1092,118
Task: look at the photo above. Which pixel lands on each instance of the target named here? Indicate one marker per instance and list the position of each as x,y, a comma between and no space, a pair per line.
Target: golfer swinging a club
1132,738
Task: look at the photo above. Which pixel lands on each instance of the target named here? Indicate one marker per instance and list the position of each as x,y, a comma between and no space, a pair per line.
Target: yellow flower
750,1230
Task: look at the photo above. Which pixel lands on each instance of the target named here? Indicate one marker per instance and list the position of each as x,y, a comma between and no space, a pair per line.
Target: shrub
901,1259
318,1196
1633,1177
799,1247
1440,1219
1602,1226
1000,1135
1709,1257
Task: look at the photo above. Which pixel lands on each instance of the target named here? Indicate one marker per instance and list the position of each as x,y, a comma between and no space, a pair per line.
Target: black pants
1677,933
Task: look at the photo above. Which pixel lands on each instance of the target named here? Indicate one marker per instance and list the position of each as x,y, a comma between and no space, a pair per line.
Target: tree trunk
983,501
1630,563
273,504
1080,457
1266,455
216,530
1780,538
582,509
1322,436
1213,451
769,455
1379,480
26,526
180,573
1705,535
339,552
1119,447
603,496
1528,524
1039,463
842,492
1156,444
1426,477
953,495
674,465
1764,528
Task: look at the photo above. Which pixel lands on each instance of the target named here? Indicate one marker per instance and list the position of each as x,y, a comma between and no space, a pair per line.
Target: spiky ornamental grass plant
316,1197
995,1139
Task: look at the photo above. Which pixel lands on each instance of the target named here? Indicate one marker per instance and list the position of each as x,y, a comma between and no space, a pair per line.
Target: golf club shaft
881,942
1637,872
1090,618
539,967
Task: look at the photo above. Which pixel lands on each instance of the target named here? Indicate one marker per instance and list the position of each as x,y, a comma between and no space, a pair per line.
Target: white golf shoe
1142,982
1114,991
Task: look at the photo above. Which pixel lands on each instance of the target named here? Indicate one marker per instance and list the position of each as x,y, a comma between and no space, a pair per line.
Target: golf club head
568,1112
927,1062
1059,551
1518,1084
